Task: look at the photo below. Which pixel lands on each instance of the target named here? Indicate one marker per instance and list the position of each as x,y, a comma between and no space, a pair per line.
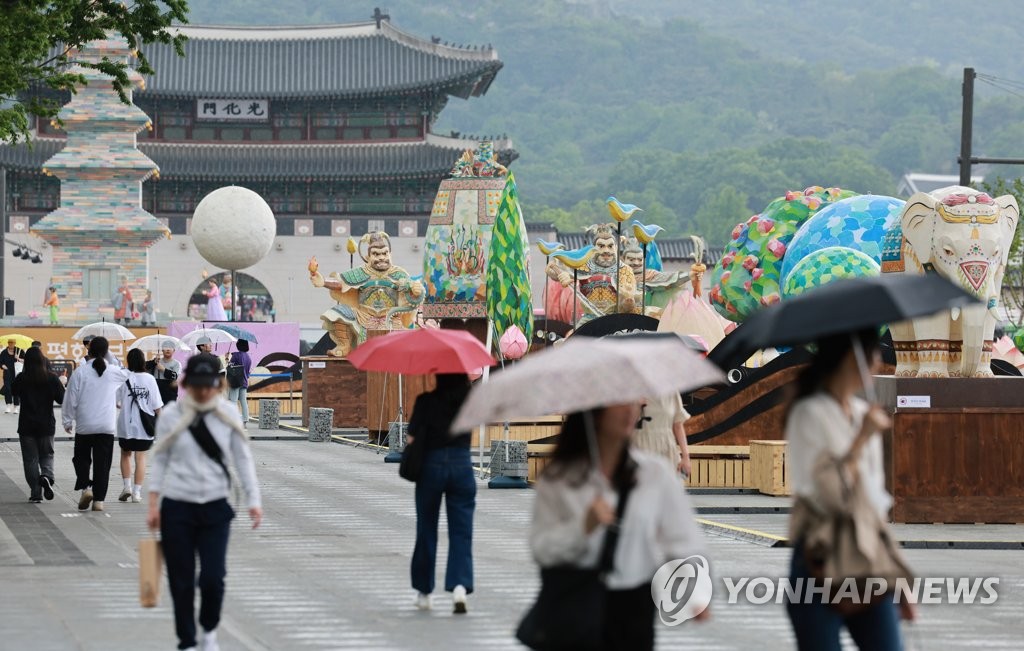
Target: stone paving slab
329,570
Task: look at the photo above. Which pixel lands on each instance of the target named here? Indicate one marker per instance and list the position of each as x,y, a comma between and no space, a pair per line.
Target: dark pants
10,398
97,451
446,472
187,529
629,619
37,456
816,625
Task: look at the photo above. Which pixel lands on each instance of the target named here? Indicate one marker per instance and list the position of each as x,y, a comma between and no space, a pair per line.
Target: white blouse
817,424
658,526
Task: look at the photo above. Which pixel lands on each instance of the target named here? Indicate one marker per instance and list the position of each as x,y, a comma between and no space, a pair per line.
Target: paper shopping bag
151,561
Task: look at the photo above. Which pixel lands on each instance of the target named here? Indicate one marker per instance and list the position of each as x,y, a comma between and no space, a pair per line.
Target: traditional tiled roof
357,60
184,160
671,249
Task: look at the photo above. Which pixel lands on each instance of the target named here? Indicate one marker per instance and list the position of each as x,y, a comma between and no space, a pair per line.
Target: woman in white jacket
139,394
198,438
90,409
576,503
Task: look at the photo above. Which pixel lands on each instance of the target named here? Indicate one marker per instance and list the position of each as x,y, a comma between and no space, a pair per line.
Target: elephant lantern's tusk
955,313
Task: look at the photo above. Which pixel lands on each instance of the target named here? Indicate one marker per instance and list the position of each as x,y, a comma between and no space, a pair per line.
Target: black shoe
35,500
47,487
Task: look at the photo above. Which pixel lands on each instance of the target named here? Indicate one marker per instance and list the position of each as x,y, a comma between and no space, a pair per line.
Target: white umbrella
106,329
156,343
587,373
215,337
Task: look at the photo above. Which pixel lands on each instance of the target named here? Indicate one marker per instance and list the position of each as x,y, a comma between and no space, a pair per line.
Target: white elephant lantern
963,235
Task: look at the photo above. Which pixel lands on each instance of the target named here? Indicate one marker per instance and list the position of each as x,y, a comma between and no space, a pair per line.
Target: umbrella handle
865,372
591,428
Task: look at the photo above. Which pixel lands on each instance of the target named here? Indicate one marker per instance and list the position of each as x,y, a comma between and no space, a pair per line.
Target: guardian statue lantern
375,296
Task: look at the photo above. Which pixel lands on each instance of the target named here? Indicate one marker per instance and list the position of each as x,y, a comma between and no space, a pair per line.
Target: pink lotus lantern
512,344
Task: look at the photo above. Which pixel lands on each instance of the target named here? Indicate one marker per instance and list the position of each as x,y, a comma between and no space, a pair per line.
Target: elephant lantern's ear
1009,215
918,221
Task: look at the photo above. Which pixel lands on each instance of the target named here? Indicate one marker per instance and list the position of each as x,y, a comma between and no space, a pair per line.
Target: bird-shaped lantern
575,259
620,212
547,248
645,235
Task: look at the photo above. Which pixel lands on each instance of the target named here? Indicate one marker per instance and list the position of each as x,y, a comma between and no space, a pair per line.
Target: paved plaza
329,567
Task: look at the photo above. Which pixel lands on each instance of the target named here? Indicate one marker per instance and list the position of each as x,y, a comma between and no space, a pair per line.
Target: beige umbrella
587,373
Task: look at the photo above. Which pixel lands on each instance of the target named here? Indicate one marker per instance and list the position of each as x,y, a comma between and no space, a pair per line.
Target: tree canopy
37,43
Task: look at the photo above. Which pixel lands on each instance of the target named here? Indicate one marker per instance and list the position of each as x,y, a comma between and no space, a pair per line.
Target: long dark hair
453,388
136,361
34,370
830,353
572,457
98,349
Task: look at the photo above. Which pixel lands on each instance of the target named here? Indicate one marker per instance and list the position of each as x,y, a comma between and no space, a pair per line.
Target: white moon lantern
233,228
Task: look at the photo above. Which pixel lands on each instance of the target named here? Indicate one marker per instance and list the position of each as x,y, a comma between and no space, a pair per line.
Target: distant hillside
702,125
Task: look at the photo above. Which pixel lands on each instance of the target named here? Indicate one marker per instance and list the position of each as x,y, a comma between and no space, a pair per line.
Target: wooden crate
769,467
720,466
538,455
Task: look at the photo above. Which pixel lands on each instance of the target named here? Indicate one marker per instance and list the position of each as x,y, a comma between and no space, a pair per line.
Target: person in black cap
198,438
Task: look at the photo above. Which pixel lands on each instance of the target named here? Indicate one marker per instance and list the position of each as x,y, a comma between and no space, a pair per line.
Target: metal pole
575,291
486,376
643,294
966,125
234,308
618,266
291,292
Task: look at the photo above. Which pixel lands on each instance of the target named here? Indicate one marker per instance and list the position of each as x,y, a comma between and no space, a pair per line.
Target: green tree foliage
37,43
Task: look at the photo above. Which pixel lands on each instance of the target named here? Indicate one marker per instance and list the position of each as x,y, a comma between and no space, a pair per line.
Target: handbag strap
606,561
204,438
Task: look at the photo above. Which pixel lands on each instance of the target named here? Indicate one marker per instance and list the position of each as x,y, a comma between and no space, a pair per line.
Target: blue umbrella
236,332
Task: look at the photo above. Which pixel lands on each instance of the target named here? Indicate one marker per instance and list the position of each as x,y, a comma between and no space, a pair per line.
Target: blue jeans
241,396
446,472
817,625
188,529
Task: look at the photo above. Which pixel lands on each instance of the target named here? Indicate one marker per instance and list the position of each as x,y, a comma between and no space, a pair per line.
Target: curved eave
429,159
463,87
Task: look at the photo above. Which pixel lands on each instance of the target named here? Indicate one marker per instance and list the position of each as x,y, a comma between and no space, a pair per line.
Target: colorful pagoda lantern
100,233
458,237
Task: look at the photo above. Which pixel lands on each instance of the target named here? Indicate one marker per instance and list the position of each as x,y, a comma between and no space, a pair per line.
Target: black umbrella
689,341
848,305
612,323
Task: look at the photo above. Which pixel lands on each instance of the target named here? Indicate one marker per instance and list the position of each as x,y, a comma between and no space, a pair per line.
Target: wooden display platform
959,460
334,383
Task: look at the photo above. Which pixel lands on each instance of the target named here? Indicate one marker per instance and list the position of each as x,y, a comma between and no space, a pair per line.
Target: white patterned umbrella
586,373
106,329
156,343
215,337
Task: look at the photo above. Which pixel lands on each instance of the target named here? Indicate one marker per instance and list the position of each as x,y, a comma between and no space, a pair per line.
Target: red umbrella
423,351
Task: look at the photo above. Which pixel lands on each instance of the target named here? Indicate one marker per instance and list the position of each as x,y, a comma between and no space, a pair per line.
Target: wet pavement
329,567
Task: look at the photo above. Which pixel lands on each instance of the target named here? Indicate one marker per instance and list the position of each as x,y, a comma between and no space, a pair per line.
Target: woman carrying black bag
575,509
140,404
446,471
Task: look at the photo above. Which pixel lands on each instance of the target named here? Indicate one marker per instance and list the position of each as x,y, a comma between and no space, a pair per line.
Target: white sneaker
17,410
423,601
459,600
209,642
8,410
137,497
124,496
